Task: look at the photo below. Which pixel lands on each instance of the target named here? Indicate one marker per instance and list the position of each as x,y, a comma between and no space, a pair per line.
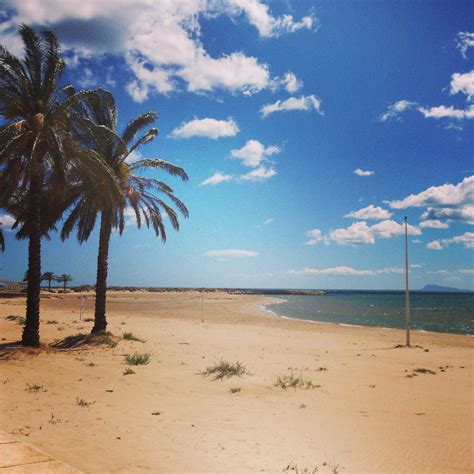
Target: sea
438,312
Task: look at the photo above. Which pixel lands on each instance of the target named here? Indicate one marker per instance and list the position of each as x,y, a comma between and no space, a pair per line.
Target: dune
360,404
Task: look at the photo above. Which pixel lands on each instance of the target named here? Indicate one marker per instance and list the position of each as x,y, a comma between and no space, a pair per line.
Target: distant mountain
446,289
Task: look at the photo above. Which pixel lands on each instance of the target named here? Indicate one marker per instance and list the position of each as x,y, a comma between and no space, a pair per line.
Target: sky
308,129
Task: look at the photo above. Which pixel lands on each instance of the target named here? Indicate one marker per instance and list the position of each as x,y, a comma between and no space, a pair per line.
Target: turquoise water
439,312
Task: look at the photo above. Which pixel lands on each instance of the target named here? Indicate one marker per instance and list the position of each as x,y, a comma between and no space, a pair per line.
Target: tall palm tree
49,277
142,195
2,239
36,149
65,278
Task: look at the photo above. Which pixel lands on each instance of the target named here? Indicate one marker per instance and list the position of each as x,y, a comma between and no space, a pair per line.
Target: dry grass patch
224,369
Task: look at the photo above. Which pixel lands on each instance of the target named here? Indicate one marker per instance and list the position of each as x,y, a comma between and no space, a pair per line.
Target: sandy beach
368,409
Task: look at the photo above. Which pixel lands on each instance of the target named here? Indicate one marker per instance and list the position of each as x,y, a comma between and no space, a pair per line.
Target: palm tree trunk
64,285
100,323
31,330
49,285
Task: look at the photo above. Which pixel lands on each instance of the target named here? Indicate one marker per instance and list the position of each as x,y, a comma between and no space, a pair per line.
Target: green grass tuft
294,381
138,359
129,336
128,371
224,369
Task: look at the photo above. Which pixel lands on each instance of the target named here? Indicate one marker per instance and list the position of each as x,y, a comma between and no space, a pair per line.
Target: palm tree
49,277
138,193
36,149
65,278
2,240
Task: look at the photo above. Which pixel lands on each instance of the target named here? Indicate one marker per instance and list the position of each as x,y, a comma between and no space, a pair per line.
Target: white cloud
467,271
216,178
253,153
360,172
435,245
258,15
7,221
463,213
433,224
87,79
439,272
464,41
268,221
315,236
394,110
416,265
343,271
370,212
230,253
289,81
467,239
160,40
463,83
417,241
446,195
206,127
310,102
259,174
362,233
442,111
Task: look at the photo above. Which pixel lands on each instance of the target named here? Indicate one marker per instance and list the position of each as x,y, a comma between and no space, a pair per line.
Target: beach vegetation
294,381
129,336
83,403
224,369
293,467
235,389
421,370
34,388
128,371
64,279
138,359
88,320
20,320
49,277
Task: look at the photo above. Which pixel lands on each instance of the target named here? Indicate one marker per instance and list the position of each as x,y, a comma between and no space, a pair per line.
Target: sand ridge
371,411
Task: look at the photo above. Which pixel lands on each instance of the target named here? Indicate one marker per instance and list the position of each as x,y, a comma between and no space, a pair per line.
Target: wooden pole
407,290
202,305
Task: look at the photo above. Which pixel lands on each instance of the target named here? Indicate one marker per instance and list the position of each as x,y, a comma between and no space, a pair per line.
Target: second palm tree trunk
100,321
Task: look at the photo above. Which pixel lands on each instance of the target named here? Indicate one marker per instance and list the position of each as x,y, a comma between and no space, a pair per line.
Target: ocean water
439,312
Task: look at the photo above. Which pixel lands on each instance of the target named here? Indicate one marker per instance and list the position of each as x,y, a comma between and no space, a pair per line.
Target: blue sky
308,129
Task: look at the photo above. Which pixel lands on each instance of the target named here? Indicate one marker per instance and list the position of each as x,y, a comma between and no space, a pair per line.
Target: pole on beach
407,290
202,305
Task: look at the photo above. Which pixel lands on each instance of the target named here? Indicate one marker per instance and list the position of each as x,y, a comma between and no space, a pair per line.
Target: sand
367,412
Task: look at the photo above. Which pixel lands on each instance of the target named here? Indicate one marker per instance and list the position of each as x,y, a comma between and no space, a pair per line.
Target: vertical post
80,313
407,290
202,305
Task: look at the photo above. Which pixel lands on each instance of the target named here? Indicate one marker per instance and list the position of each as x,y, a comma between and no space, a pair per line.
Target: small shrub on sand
224,369
128,371
20,320
83,403
421,370
235,390
138,359
292,381
34,388
51,321
293,467
88,320
129,336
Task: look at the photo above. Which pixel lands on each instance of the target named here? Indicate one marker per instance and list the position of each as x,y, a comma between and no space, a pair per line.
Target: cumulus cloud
463,83
371,213
394,110
466,239
160,40
464,41
6,221
253,153
315,236
362,233
310,102
442,111
343,271
206,127
462,213
289,82
360,172
259,174
268,221
230,253
433,224
216,178
434,245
